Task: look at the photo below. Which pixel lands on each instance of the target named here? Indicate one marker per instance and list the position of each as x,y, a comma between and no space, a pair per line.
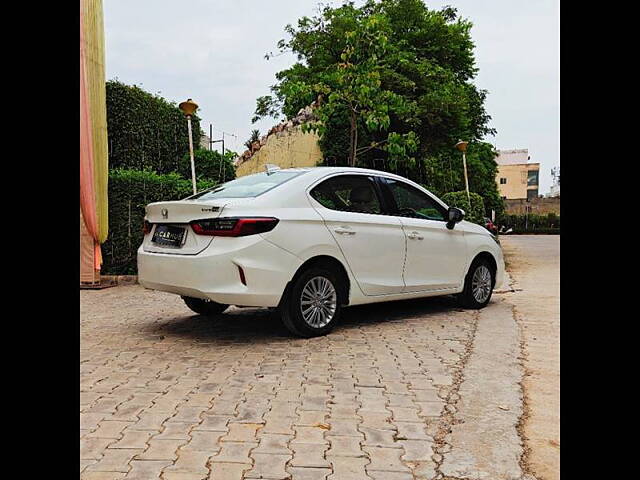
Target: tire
323,315
478,285
205,307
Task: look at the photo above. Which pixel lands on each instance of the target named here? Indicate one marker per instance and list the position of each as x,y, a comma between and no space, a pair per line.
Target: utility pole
212,141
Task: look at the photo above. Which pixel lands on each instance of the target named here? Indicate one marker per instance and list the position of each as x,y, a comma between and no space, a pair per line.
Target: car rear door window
411,202
348,193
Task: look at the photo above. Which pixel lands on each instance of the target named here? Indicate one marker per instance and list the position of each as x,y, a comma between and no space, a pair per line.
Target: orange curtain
87,184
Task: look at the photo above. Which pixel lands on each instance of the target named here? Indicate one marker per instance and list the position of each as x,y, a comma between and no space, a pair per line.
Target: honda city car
311,241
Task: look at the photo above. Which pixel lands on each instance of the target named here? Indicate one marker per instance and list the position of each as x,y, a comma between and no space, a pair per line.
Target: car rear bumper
214,273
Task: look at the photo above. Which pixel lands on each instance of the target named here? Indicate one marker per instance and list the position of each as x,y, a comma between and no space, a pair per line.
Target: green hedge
474,212
129,193
146,131
532,223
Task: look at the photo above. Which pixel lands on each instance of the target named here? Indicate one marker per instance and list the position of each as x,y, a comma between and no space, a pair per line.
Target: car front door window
411,202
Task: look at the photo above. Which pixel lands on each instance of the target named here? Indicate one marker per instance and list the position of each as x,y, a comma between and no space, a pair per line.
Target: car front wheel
478,285
312,305
205,307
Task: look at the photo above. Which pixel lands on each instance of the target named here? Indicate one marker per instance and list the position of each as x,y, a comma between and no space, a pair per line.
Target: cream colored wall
289,148
516,175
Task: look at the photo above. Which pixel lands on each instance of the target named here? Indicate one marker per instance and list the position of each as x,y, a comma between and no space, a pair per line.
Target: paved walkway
406,390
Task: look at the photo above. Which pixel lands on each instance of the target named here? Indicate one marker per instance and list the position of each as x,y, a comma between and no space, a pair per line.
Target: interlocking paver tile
109,429
214,423
348,468
385,459
273,443
161,449
241,432
93,448
345,446
416,450
298,473
308,455
190,461
206,441
269,466
309,435
146,469
101,476
133,439
228,471
114,460
411,431
234,452
174,431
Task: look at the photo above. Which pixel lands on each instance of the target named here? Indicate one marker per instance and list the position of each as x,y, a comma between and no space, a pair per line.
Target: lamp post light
462,146
188,108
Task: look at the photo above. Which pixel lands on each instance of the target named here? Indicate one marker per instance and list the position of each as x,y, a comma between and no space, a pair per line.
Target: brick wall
540,206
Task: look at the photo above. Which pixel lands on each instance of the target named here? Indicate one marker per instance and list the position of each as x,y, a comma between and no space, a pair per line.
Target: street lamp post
188,108
462,146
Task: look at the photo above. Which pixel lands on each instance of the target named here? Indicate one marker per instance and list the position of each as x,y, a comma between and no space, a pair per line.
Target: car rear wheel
478,285
311,306
204,307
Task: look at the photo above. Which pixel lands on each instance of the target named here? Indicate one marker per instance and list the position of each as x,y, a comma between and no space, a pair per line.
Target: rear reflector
146,228
234,226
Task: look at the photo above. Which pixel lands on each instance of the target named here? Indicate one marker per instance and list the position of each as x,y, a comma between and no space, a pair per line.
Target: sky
213,52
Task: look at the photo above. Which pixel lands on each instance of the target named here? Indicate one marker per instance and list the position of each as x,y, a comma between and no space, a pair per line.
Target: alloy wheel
481,284
318,302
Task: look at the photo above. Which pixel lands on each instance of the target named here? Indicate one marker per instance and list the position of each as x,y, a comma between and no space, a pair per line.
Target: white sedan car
313,240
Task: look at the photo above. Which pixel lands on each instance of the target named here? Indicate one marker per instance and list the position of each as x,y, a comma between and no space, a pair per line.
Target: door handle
415,236
344,231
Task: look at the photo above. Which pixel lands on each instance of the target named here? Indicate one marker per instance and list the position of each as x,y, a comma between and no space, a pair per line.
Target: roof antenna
270,168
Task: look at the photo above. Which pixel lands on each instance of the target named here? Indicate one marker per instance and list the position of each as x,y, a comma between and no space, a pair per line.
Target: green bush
129,193
474,212
146,131
533,223
210,166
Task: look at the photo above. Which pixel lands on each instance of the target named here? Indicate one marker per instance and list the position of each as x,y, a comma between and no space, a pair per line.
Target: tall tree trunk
353,140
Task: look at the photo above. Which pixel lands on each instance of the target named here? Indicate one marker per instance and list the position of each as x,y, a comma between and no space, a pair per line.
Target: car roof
327,170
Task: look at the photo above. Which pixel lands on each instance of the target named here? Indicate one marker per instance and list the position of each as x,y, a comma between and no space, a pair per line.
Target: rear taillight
146,228
234,227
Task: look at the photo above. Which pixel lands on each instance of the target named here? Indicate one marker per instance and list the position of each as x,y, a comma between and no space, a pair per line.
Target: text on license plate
168,235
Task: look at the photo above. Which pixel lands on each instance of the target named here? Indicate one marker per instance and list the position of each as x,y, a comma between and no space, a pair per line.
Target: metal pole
223,144
210,137
193,165
466,179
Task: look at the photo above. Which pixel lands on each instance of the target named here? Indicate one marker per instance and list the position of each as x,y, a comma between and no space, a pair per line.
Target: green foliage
255,136
129,193
474,212
146,131
210,166
404,74
532,223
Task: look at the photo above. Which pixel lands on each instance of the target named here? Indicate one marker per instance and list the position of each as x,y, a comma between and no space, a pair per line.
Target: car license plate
168,235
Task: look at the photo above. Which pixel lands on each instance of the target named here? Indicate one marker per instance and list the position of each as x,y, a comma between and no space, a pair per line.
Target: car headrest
362,194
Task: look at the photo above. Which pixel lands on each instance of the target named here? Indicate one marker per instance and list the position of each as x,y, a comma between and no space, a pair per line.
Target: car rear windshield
249,186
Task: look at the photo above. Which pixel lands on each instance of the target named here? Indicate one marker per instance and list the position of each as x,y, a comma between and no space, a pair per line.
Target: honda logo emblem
165,213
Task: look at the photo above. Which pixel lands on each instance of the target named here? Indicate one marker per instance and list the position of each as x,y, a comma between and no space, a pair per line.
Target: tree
255,136
211,166
393,74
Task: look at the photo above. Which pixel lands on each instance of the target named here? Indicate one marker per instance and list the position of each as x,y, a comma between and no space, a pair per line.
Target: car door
436,256
372,243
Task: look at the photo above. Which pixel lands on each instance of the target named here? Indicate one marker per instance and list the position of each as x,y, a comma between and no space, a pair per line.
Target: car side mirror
455,215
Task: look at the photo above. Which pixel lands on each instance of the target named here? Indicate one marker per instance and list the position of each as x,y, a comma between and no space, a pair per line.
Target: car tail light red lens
234,227
146,227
